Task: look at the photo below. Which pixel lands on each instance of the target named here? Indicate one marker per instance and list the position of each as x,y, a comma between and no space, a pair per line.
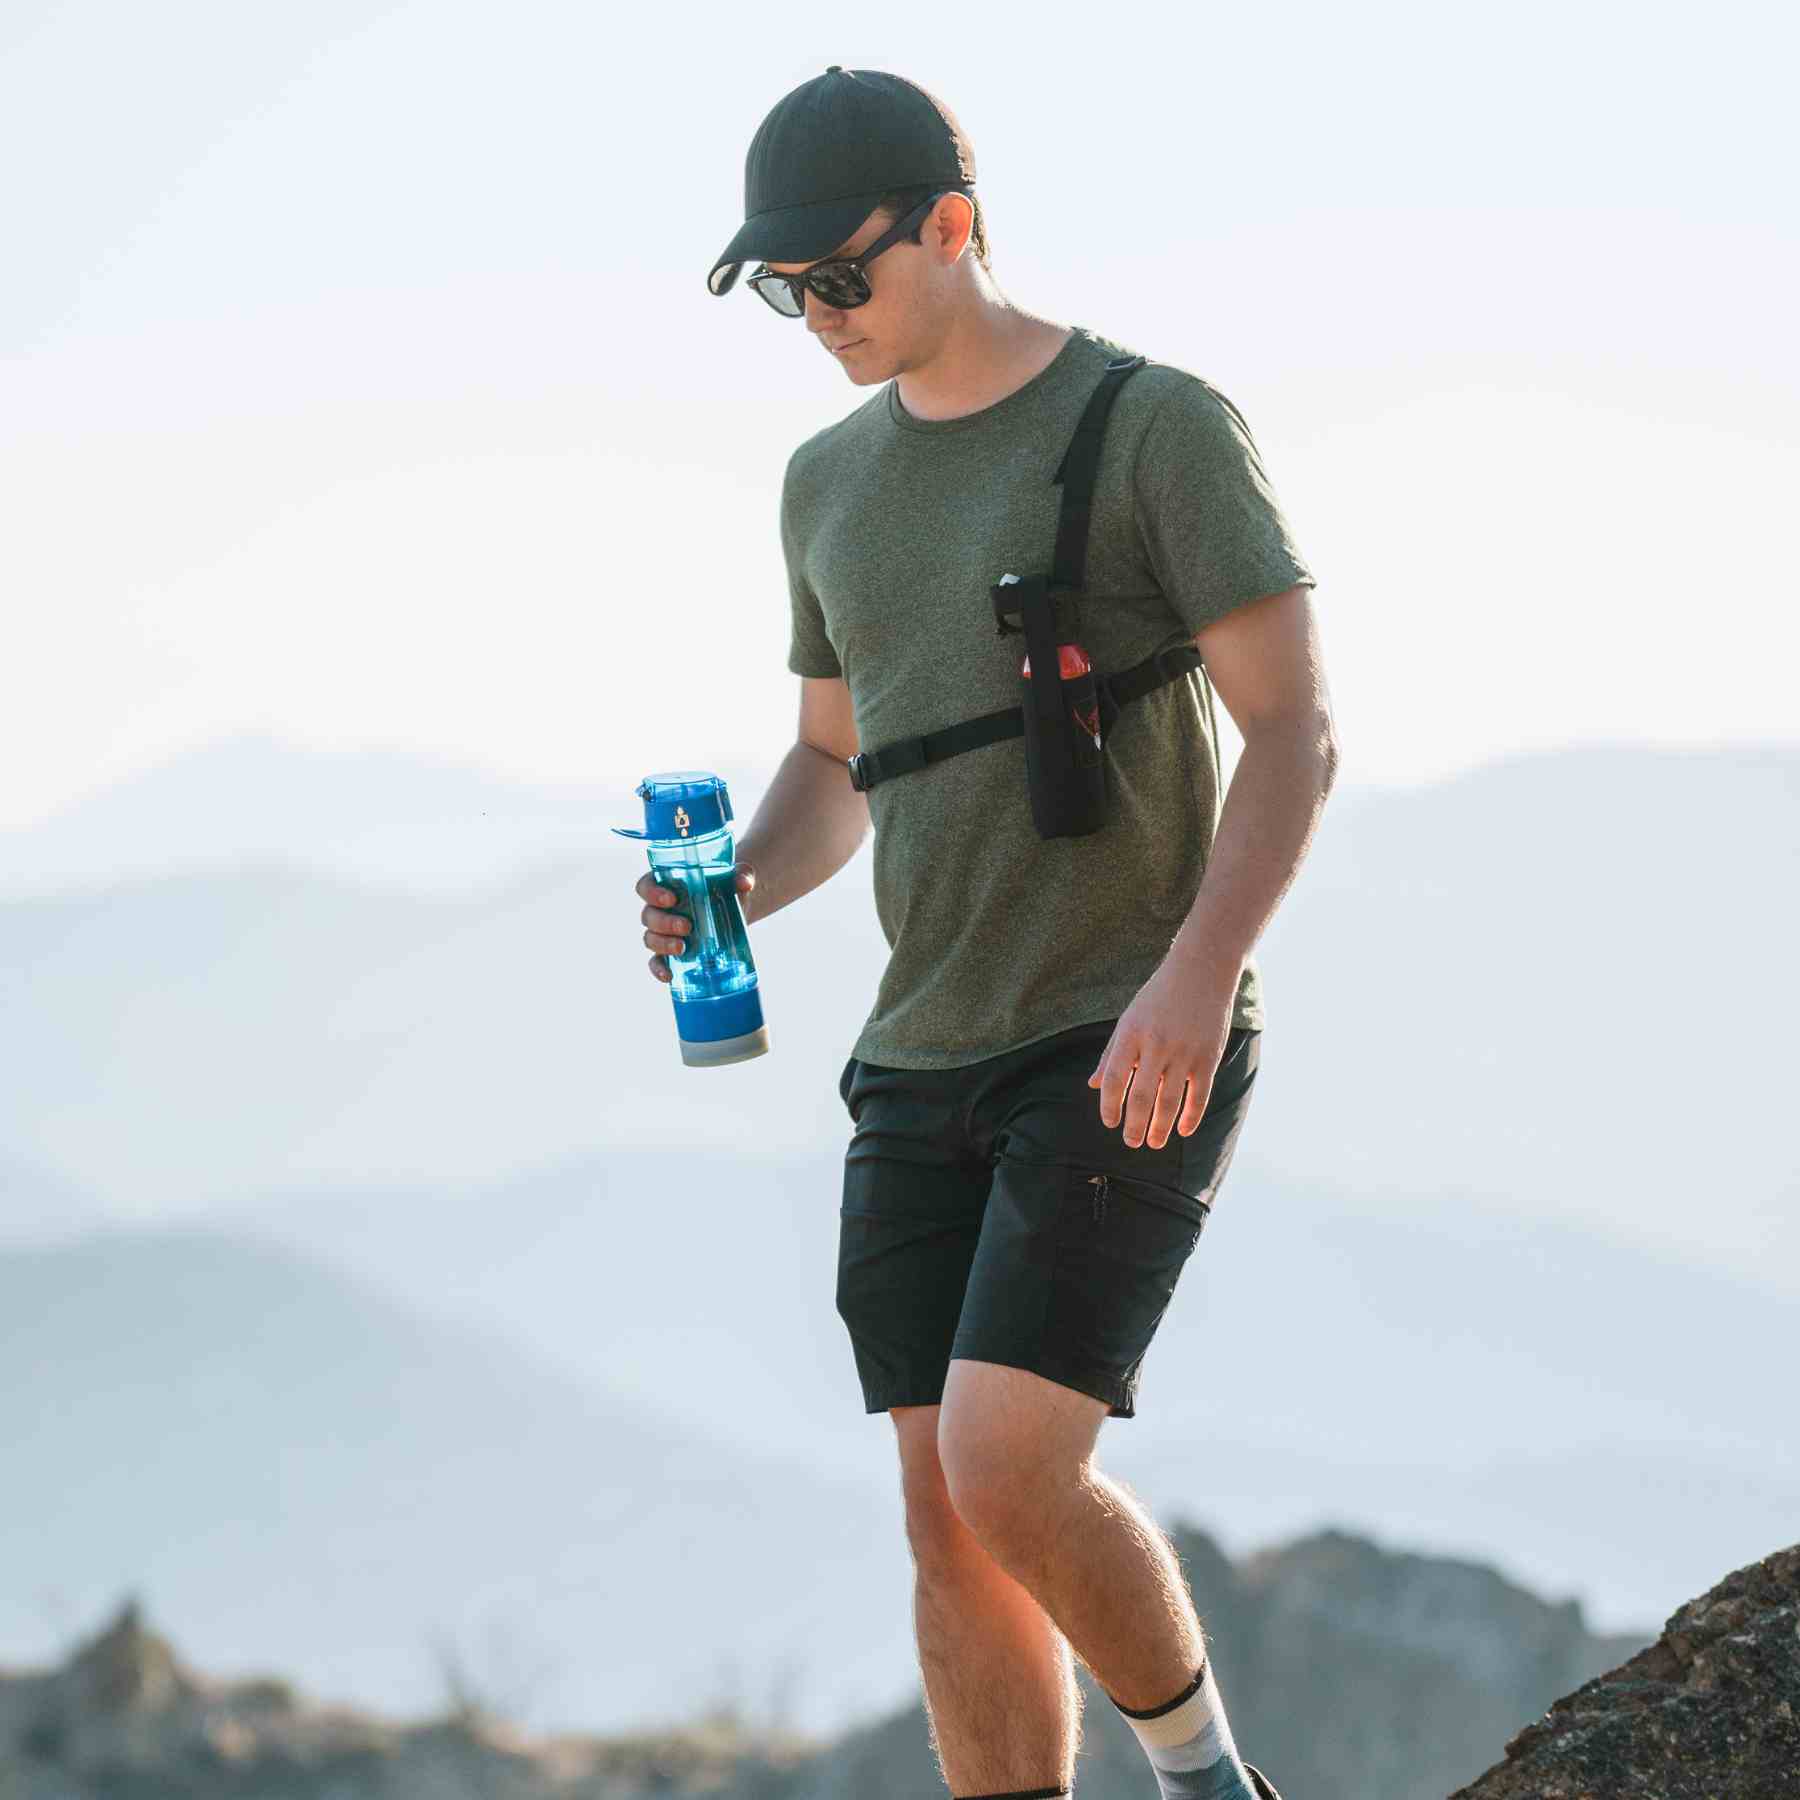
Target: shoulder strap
1076,471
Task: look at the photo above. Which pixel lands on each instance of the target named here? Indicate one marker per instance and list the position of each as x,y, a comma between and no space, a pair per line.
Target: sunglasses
840,281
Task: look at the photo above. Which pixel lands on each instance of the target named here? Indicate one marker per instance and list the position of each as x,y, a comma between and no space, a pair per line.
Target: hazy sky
360,379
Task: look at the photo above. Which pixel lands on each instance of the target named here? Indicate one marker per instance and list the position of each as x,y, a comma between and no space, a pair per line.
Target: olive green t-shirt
894,528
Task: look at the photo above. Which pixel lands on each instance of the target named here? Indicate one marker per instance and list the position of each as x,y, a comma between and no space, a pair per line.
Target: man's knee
933,1530
1010,1445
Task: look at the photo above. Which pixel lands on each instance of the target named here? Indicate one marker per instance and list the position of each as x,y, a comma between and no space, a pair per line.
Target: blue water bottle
718,1011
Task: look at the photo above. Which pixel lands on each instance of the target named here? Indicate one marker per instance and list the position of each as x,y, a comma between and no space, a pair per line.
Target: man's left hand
1173,1034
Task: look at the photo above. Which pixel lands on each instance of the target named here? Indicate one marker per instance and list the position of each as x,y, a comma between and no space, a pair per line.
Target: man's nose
819,316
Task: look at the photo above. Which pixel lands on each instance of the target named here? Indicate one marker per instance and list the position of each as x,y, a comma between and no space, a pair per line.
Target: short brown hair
898,202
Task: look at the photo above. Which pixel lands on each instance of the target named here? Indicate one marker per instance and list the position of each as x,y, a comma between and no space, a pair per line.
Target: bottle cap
680,804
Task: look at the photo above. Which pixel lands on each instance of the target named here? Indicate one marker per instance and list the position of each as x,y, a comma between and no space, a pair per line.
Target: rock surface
1711,1709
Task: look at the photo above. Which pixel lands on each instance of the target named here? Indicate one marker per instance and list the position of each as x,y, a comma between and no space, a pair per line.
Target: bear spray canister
1074,663
1064,770
687,833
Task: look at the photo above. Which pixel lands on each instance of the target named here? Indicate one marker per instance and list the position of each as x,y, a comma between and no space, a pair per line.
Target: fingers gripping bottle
687,832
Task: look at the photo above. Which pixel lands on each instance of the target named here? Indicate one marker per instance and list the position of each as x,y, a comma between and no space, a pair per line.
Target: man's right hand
665,930
807,824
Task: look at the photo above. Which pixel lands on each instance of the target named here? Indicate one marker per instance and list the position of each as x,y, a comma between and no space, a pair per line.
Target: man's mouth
839,349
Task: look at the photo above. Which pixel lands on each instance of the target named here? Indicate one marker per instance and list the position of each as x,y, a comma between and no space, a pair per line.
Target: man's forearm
807,826
1266,826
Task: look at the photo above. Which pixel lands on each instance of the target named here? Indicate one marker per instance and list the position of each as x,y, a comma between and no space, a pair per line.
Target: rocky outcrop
1351,1672
1711,1709
124,1718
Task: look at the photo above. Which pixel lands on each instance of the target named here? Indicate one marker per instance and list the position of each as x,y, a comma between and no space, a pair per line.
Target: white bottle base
719,1051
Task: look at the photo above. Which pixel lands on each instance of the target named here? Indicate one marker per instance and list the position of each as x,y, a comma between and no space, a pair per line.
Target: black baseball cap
827,152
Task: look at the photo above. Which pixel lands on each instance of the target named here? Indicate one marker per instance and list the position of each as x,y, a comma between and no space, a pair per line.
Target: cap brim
790,234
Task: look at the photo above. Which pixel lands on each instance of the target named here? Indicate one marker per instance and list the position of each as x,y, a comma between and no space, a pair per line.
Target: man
1052,1080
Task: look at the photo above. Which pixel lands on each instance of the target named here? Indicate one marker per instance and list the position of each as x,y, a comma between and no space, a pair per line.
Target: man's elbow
1312,729
1329,747
1330,753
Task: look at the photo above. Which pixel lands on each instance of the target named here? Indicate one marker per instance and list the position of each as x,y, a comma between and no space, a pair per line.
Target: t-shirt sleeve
1211,524
809,649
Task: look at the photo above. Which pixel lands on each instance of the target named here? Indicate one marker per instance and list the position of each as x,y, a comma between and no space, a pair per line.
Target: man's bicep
827,717
1265,661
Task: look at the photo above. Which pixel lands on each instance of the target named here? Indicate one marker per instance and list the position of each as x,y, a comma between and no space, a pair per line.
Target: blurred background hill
1495,981
1364,1671
345,1245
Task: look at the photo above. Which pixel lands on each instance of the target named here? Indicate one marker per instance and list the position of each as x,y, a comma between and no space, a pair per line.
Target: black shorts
989,1213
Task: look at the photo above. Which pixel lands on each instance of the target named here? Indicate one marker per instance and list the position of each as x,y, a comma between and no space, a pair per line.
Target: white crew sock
1188,1741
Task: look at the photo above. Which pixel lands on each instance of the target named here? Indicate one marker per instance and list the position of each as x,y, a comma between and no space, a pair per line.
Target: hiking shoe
1265,1788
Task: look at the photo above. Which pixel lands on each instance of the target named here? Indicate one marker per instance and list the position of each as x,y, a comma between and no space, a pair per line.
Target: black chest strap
1076,472
904,755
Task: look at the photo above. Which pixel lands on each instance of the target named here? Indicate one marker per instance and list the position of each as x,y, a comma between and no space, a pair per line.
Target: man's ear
954,221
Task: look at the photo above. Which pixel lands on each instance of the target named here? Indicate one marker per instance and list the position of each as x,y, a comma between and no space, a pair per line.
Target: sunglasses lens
838,286
778,294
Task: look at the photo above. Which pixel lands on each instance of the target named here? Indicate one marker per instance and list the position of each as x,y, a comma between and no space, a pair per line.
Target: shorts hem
1098,1384
903,1397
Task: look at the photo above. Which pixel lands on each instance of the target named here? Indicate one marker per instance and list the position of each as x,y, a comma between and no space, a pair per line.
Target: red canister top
1072,659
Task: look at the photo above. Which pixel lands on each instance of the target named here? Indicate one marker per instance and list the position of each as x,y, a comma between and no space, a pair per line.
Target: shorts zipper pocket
1195,1213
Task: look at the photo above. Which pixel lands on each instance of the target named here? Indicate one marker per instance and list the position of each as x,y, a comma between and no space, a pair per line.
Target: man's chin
856,363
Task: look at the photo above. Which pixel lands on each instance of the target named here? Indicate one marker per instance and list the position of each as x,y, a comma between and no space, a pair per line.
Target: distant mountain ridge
1492,983
420,824
282,1459
36,1203
573,1259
